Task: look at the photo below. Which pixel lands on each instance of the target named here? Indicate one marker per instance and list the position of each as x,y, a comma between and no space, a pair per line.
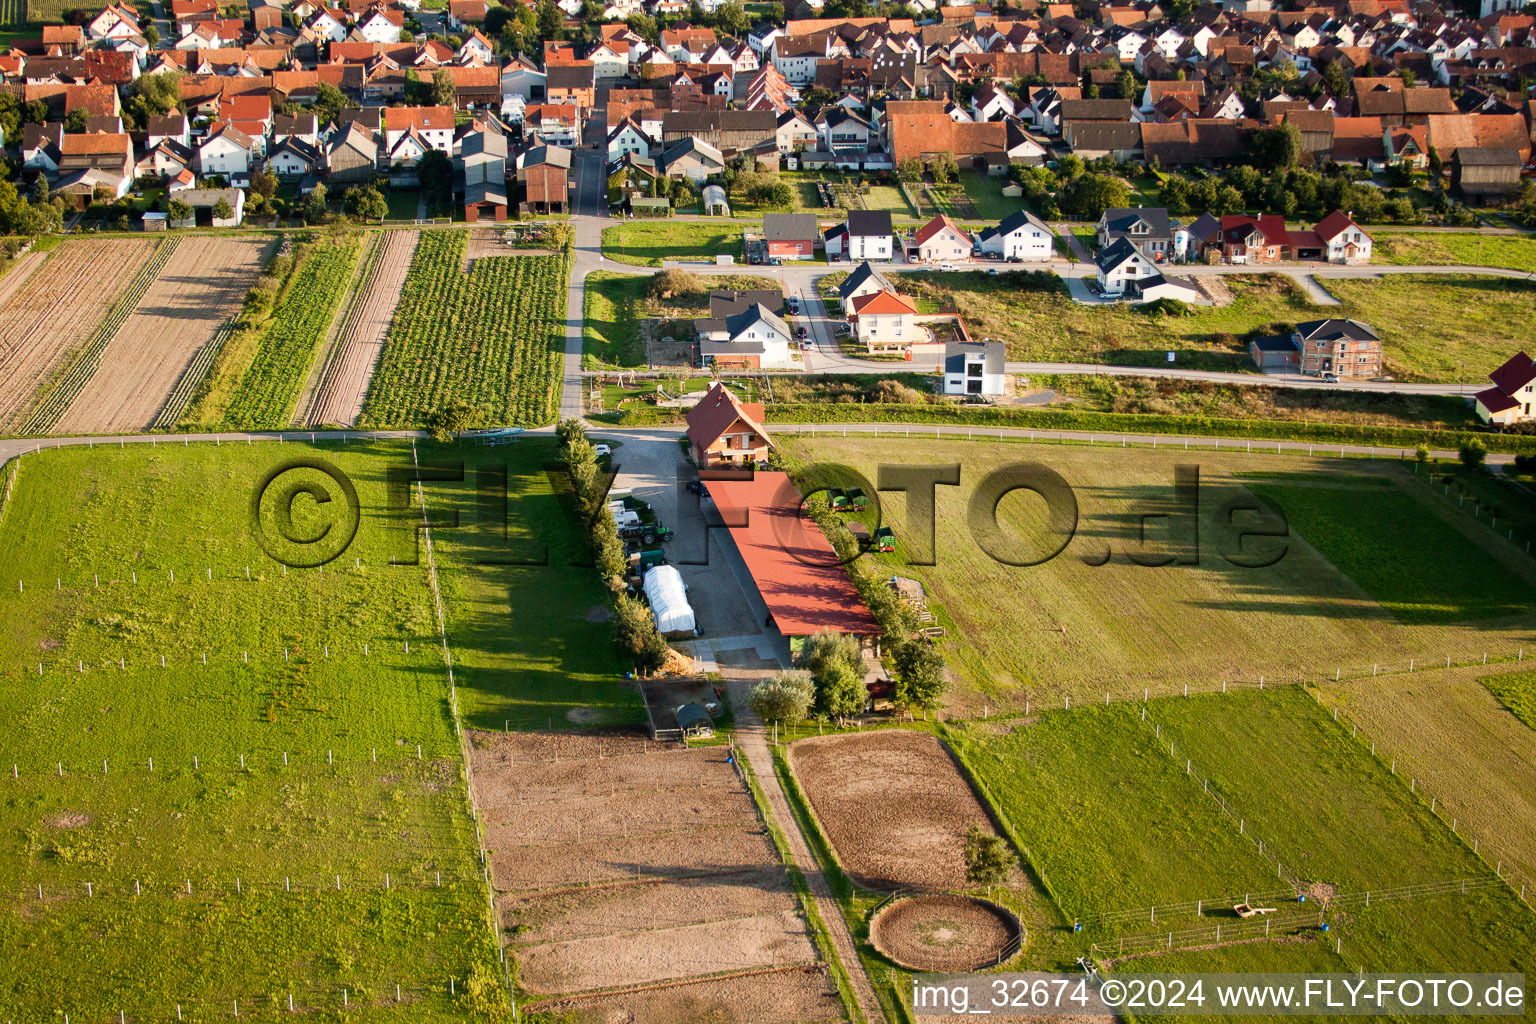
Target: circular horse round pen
945,932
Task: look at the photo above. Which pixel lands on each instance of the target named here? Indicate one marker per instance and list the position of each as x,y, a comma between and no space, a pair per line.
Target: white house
434,126
885,321
476,49
377,26
1343,241
324,25
864,280
227,151
974,368
1020,237
609,60
942,239
294,158
755,337
1121,264
207,199
870,235
627,139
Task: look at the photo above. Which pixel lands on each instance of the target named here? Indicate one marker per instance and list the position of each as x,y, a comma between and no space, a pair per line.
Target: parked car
992,271
695,487
794,304
603,450
802,334
948,266
1330,378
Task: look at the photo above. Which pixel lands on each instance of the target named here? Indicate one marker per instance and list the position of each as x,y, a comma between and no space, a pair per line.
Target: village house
1512,399
723,430
974,368
1021,237
885,321
790,236
1343,348
940,239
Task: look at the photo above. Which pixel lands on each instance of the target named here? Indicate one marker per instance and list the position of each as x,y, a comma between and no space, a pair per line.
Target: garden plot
338,396
894,805
493,338
56,309
628,863
198,291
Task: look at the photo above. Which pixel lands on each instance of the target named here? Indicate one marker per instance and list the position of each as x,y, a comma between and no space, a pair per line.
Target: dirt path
753,741
201,287
55,309
359,340
25,265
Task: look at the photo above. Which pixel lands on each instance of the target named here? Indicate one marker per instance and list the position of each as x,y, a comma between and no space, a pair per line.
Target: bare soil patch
894,805
616,815
683,854
514,773
55,309
666,954
22,268
199,289
591,911
941,932
800,995
338,396
69,819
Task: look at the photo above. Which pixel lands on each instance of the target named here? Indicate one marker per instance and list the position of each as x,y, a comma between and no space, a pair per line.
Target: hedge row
1110,422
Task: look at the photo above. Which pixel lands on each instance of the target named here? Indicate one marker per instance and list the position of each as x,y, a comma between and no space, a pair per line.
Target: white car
948,266
602,450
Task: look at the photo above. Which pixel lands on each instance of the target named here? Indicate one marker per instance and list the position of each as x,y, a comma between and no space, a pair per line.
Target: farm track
53,313
26,265
181,320
337,396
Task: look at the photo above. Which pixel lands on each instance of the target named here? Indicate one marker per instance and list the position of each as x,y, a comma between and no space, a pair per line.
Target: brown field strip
899,818
592,911
619,863
22,268
56,308
358,341
201,287
800,995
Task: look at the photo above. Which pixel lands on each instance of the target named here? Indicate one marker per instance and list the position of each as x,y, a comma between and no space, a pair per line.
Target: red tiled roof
1335,224
936,225
791,561
885,301
715,413
1515,374
1495,400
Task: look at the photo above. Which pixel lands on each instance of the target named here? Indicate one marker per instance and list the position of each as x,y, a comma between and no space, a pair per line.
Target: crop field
597,837
900,819
271,385
1454,731
648,243
197,292
1062,782
492,338
1080,626
275,808
53,313
1443,327
359,338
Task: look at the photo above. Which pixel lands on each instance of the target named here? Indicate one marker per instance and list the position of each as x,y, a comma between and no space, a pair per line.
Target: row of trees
634,626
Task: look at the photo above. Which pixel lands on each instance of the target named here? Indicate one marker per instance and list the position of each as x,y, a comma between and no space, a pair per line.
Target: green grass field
1063,783
1407,560
1516,252
1074,626
615,303
647,243
1516,692
1442,328
310,675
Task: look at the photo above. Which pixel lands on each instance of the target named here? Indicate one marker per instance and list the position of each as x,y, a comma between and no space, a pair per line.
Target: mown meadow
288,817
